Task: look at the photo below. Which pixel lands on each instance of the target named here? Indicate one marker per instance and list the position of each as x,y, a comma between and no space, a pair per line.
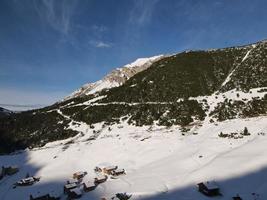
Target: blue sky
50,48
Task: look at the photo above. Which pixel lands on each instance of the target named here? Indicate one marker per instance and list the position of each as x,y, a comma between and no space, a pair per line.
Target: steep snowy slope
116,77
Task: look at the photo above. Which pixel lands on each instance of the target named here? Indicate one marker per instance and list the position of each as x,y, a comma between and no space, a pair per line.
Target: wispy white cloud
103,45
142,12
100,44
58,14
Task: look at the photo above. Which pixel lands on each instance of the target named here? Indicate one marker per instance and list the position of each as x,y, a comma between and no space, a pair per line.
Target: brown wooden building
110,169
100,179
69,187
209,188
89,186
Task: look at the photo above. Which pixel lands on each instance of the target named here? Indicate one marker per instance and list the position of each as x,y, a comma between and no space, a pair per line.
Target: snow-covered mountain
116,77
192,117
181,89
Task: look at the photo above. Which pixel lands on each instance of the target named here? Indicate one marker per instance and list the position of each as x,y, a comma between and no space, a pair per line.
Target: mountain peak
116,77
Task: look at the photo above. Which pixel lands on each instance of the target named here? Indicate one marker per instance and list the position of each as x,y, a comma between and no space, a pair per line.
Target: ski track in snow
228,78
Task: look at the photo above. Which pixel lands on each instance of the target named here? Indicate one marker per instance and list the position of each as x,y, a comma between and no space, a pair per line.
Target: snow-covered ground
160,163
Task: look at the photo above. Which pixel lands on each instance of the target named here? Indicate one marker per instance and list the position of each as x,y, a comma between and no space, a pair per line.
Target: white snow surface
235,95
160,163
142,61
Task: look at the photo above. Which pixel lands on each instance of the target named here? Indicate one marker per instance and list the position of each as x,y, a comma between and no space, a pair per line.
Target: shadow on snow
251,186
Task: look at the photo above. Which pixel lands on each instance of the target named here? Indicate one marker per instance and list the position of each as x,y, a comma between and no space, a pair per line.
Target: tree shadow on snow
251,186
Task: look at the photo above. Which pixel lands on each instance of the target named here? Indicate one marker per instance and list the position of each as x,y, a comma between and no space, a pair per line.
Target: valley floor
160,163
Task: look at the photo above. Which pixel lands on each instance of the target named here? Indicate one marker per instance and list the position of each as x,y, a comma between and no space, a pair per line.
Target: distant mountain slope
180,76
5,112
184,89
116,78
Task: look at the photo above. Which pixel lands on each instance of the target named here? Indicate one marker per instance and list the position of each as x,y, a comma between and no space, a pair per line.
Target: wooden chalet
72,180
69,187
89,186
75,193
118,172
27,181
122,196
209,188
79,175
110,169
237,198
97,169
100,179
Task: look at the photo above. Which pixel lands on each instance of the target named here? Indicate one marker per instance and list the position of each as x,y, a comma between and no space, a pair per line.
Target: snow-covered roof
111,168
100,177
119,170
89,184
10,166
71,185
211,185
72,180
26,180
79,173
77,191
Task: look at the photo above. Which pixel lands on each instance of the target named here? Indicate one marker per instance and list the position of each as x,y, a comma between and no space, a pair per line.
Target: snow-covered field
160,163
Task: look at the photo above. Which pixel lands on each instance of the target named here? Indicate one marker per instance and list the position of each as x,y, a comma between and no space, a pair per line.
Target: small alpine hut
209,188
97,169
237,197
110,169
79,175
118,172
122,196
100,178
89,186
28,181
69,187
72,180
75,193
